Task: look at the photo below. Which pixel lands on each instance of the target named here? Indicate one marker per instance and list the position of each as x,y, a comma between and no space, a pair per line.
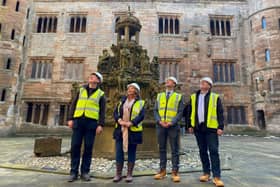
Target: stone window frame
225,32
13,34
73,60
8,63
228,74
4,2
46,23
38,114
46,68
270,85
82,24
62,117
264,23
237,115
276,83
27,13
169,67
175,29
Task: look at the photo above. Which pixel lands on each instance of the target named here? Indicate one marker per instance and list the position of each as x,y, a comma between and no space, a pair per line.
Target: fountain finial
129,12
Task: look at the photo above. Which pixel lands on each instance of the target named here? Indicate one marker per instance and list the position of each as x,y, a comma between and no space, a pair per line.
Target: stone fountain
128,63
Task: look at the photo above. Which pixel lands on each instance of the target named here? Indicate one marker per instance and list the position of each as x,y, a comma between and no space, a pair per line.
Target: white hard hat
135,85
99,76
173,79
207,79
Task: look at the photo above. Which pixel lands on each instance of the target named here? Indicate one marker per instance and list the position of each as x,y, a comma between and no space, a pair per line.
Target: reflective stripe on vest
136,109
168,109
212,121
88,106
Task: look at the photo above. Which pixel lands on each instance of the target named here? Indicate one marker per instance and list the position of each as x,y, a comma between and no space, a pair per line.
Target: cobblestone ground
254,161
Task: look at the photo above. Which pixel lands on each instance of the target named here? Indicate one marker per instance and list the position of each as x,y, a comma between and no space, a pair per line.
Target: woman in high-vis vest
129,114
86,118
204,117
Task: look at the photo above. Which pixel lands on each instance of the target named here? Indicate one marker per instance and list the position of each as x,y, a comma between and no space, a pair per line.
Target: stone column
119,37
53,114
33,112
41,113
137,37
126,34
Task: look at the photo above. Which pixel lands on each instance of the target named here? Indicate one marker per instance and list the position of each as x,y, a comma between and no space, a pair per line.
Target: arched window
50,26
267,55
77,29
17,6
177,26
27,13
160,26
3,95
84,24
72,24
39,25
13,34
263,23
9,63
45,24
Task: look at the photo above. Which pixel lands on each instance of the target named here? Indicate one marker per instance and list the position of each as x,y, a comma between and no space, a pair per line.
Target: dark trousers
209,141
83,130
172,134
131,152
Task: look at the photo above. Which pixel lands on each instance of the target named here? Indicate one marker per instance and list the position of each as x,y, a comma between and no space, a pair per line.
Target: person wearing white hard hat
204,118
129,115
86,118
168,111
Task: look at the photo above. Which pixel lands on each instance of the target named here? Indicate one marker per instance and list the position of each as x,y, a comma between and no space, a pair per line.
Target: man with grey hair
205,119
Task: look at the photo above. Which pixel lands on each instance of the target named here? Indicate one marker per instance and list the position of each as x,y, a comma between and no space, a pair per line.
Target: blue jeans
83,130
209,141
172,134
131,152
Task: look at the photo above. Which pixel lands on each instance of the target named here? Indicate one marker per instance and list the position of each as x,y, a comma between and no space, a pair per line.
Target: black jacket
102,104
133,137
188,111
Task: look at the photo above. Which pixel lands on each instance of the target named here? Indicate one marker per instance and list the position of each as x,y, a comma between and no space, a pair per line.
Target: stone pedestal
104,145
47,146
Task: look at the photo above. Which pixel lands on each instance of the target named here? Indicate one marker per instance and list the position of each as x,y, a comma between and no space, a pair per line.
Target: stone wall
11,52
194,48
266,37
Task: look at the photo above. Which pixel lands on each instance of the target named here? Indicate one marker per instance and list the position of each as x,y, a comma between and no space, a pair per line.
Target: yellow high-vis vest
212,121
136,108
168,109
88,106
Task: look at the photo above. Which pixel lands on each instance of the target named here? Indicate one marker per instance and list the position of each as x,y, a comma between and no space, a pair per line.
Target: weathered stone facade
191,38
12,31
